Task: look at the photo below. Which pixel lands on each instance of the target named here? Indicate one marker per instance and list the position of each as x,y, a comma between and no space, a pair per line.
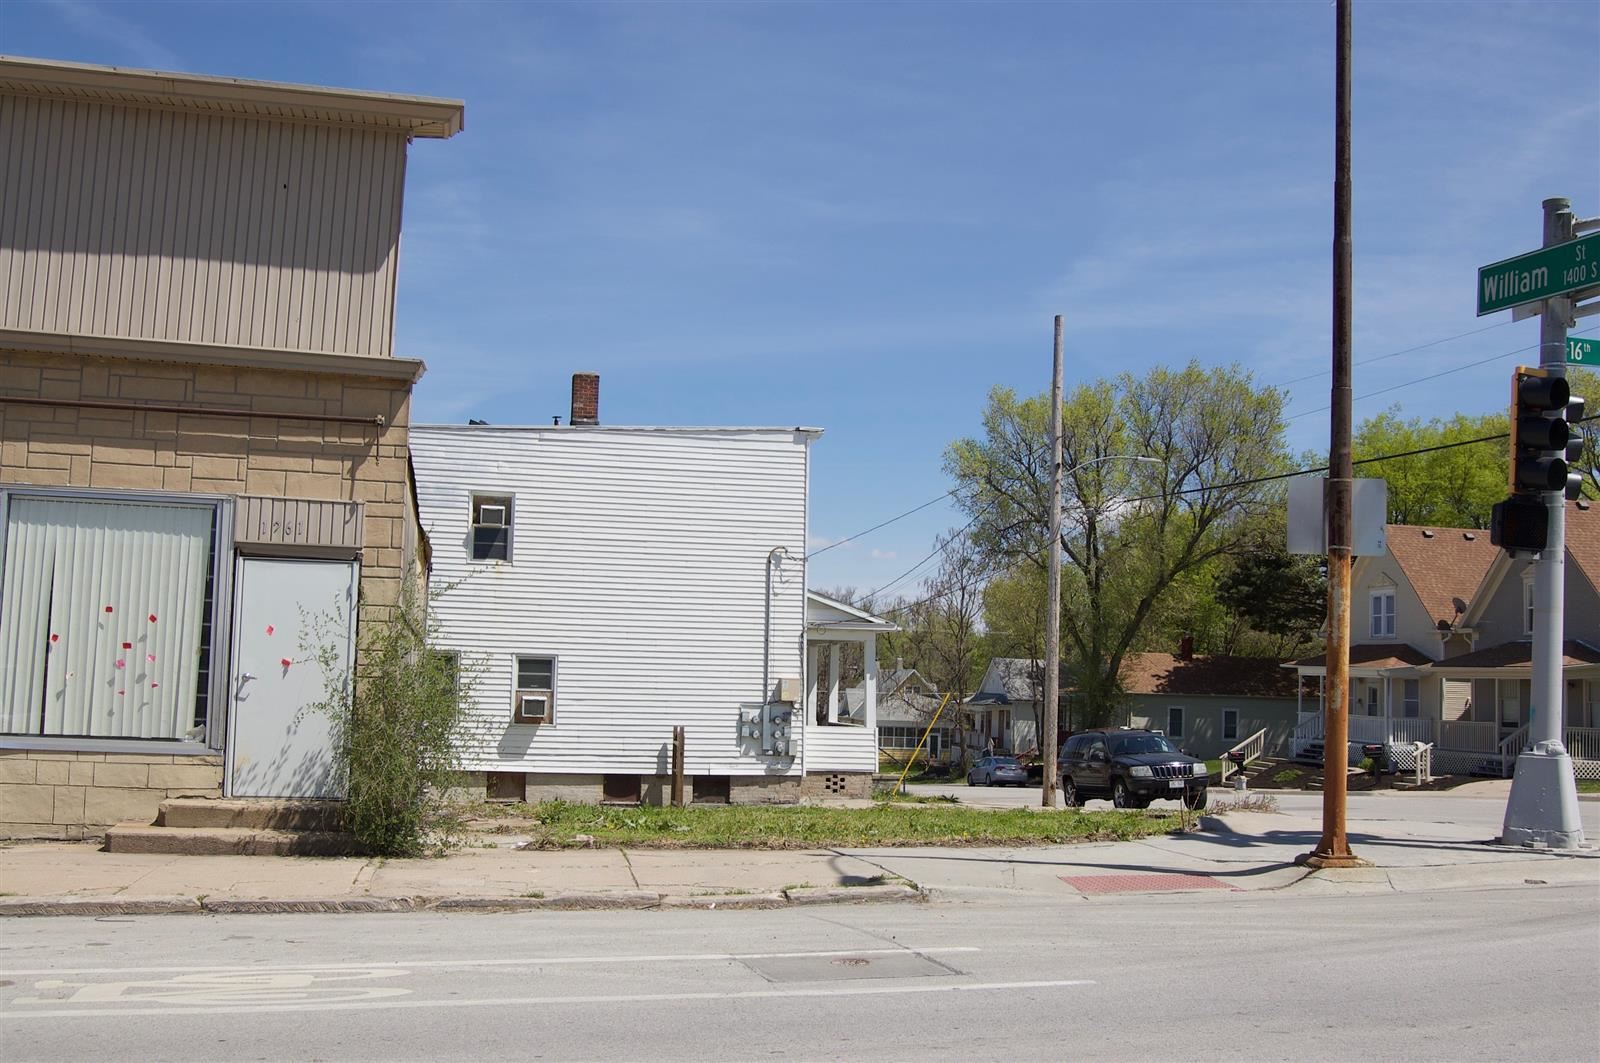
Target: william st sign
1539,274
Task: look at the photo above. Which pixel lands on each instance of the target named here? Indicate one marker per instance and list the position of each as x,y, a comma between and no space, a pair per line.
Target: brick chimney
585,399
1186,648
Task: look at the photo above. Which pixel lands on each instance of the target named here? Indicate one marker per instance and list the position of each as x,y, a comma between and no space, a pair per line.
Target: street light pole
1052,621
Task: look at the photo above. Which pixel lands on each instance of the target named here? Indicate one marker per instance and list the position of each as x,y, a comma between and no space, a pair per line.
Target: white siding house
635,579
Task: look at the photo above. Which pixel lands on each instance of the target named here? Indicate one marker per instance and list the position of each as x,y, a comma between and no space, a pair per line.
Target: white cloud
883,555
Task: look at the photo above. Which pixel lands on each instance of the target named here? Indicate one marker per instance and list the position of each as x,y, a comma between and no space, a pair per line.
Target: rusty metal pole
677,767
1334,848
1052,621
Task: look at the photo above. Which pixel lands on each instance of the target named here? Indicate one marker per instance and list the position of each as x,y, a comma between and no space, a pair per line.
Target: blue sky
863,216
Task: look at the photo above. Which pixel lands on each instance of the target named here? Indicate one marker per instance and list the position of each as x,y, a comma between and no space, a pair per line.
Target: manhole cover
840,968
1152,883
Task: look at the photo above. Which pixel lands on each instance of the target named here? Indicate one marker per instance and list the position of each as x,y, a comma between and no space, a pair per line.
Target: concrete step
226,841
195,812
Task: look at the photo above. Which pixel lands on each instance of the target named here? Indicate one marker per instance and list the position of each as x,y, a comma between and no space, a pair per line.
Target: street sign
1539,274
1583,350
1308,526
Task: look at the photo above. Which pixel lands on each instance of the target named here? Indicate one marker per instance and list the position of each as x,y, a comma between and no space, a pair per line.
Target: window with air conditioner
534,698
491,528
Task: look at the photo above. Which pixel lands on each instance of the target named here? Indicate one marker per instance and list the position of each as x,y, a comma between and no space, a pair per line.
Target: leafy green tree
1453,488
1131,529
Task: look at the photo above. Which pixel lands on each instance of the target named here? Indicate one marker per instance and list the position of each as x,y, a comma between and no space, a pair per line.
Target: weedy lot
558,825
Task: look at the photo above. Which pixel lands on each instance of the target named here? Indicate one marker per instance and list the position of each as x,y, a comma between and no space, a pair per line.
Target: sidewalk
1233,852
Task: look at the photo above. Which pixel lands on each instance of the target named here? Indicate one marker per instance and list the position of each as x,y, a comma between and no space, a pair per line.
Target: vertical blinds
101,610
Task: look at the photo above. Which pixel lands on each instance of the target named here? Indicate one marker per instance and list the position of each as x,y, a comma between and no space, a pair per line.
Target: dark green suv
1132,767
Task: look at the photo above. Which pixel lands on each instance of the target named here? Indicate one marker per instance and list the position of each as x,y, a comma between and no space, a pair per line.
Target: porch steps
194,812
210,827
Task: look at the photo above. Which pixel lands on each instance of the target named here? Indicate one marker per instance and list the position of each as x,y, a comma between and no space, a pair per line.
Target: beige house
1442,650
204,471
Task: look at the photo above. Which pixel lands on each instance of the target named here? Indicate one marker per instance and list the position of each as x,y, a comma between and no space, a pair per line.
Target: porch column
869,653
812,674
833,682
1388,707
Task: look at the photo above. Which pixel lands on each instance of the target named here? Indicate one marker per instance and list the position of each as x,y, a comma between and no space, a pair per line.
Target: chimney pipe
585,399
1186,648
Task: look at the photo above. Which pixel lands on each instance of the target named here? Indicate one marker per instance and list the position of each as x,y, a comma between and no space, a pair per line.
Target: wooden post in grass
677,767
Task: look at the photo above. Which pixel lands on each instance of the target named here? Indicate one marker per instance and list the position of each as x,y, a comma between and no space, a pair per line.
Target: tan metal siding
154,224
637,560
297,522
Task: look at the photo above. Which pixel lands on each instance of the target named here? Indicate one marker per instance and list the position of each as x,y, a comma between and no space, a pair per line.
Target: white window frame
517,690
477,499
1177,732
1527,602
218,702
1410,707
1381,613
1230,733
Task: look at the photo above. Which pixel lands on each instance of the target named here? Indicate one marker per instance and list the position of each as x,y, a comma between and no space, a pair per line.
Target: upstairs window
491,528
1383,614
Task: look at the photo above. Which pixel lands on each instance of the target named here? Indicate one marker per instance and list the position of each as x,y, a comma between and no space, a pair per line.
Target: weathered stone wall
71,794
66,446
48,794
764,790
856,785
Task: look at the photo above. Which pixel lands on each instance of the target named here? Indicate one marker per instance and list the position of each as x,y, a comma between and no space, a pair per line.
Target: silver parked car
997,771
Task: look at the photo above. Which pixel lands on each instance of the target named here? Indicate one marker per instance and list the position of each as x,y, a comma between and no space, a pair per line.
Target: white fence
1456,746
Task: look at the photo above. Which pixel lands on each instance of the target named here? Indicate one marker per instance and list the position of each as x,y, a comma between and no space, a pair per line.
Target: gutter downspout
774,557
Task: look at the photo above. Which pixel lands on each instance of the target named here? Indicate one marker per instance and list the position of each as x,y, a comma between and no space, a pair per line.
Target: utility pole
1052,620
1334,848
1543,808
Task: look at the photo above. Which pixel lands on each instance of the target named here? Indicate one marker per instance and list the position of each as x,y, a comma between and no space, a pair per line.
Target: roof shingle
1444,565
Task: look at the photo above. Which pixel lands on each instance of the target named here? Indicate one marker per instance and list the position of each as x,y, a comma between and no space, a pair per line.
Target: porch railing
1475,736
1251,747
1583,743
1307,731
1509,747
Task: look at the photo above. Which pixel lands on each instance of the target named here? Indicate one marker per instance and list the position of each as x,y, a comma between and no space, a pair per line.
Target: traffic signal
1520,522
1539,431
1574,451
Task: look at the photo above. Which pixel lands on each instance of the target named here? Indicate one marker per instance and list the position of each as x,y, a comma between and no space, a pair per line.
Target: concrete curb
96,906
852,894
584,901
306,905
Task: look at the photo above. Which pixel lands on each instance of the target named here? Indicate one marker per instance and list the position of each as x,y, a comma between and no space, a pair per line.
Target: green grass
1589,786
557,823
1214,767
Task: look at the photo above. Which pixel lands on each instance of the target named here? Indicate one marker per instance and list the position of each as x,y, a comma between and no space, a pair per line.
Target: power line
1433,376
1396,354
883,524
937,550
1306,413
1398,455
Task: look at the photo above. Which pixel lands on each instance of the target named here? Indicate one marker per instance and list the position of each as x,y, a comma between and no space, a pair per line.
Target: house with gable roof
1442,650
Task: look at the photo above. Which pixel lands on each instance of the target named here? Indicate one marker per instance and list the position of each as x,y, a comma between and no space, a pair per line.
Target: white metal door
277,745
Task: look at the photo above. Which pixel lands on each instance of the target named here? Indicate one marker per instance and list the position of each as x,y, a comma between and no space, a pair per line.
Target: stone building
204,469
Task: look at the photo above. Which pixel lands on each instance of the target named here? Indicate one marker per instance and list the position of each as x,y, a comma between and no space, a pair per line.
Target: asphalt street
1462,975
1484,812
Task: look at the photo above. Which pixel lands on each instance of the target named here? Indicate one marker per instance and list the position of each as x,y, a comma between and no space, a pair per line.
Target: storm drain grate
1166,881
